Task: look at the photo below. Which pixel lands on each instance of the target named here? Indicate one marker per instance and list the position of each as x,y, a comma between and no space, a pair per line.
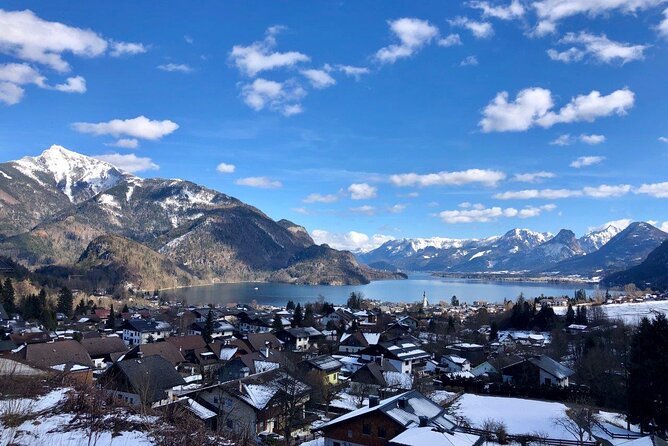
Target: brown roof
97,347
168,351
258,341
184,343
56,353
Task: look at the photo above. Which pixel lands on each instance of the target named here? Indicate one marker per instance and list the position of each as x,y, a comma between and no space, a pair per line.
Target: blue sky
360,120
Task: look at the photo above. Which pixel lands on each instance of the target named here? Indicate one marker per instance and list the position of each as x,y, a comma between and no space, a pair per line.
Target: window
366,429
350,433
381,432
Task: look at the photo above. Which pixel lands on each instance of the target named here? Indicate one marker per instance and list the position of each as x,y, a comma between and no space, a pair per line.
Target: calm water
385,290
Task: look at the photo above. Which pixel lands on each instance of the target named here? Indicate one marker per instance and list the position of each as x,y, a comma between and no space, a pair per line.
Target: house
251,364
326,366
300,338
220,329
141,331
384,421
537,371
261,341
251,322
101,349
475,353
484,370
148,380
341,317
68,357
257,404
421,436
165,350
406,357
357,341
455,363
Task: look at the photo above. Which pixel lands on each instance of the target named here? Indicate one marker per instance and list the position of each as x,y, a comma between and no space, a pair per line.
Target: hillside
652,272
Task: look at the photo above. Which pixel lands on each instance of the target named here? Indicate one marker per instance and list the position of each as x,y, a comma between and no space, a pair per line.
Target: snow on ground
631,312
521,416
439,396
317,442
347,401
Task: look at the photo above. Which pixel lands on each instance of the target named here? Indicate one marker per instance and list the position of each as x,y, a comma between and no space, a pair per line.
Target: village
541,370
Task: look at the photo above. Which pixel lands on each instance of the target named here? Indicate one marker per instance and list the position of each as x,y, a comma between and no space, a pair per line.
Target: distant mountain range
651,273
60,209
524,251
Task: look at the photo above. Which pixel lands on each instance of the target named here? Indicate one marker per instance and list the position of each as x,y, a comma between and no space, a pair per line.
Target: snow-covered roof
421,436
196,408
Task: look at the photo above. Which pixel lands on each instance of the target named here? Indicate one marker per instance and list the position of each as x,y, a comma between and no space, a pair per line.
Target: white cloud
483,176
189,40
663,139
226,168
349,241
550,12
140,127
521,114
260,56
413,34
567,139
602,191
319,198
480,30
352,71
533,177
28,37
119,49
469,61
397,208
259,182
533,106
600,48
319,79
592,139
283,97
514,10
365,209
620,224
485,215
663,26
76,84
130,163
584,161
21,74
657,190
10,93
176,67
362,191
450,40
125,143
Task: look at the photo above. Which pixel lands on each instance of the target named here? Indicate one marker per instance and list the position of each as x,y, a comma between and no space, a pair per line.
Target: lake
410,290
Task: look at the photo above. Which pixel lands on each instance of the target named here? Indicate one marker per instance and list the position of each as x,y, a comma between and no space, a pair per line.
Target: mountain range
63,210
651,273
595,254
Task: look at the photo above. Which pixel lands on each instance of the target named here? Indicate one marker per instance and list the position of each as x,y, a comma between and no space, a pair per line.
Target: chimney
241,387
373,400
423,421
402,402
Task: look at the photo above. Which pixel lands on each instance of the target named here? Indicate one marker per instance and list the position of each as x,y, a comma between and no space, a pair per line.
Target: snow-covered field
45,425
630,313
520,416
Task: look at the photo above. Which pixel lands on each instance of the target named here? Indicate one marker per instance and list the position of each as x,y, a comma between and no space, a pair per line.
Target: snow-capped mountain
594,240
79,177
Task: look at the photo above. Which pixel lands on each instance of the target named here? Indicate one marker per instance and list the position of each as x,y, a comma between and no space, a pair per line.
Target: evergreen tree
298,316
48,319
125,309
111,320
493,331
309,320
207,333
8,296
278,323
355,301
65,301
454,301
290,306
570,315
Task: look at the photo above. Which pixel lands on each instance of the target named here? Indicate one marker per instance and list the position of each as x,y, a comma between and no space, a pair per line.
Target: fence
526,439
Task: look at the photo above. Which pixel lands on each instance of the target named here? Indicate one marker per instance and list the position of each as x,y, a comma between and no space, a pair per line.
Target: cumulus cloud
319,198
397,208
602,191
125,143
533,177
663,26
176,67
130,163
480,30
10,94
482,176
469,61
533,107
599,48
663,139
259,182
413,34
514,10
352,71
140,127
76,84
119,49
362,191
13,76
550,12
567,139
365,209
657,190
584,161
450,40
261,56
485,215
226,168
319,79
282,97
349,241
